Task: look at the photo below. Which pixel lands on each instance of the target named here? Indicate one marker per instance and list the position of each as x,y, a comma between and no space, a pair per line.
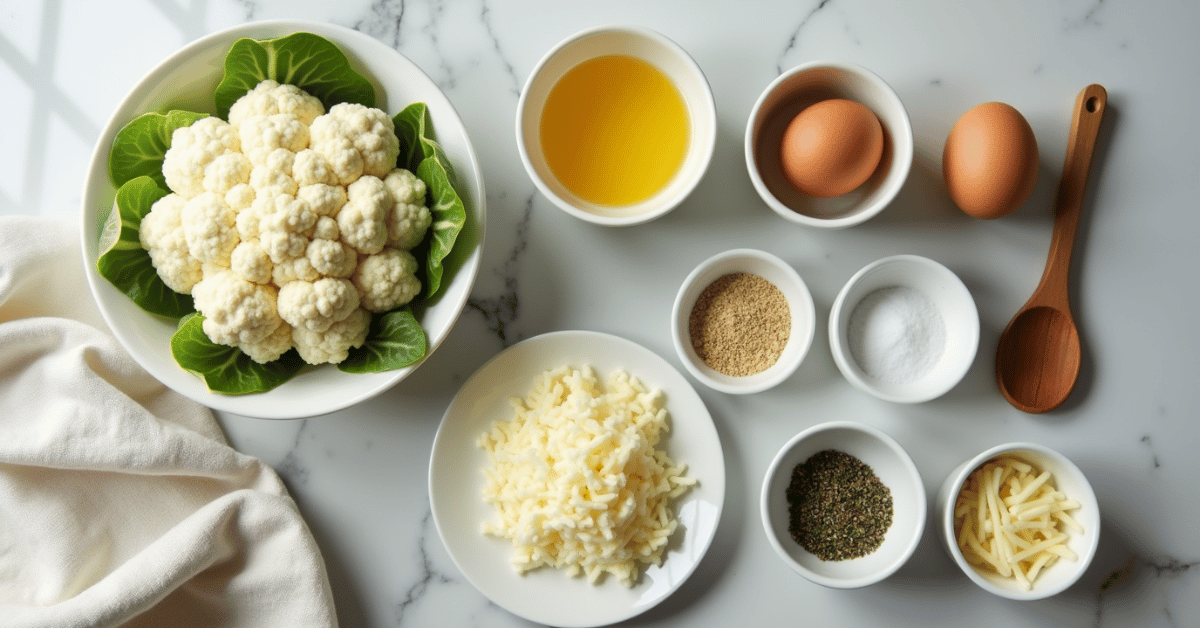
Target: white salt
896,334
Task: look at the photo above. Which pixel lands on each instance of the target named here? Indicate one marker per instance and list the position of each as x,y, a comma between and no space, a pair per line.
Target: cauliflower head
289,225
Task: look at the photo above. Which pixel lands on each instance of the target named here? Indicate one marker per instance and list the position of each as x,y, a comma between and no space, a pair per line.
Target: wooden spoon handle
1085,126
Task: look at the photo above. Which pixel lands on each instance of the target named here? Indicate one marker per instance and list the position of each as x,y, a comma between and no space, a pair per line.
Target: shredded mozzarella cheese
577,478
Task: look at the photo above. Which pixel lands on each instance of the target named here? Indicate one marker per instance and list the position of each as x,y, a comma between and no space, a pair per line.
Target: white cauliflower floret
193,150
162,235
355,141
407,224
270,348
405,186
310,167
387,280
332,258
274,172
249,220
290,214
333,345
363,219
226,172
251,262
269,98
410,218
283,225
236,311
322,199
210,227
316,305
294,269
239,197
326,229
283,246
260,135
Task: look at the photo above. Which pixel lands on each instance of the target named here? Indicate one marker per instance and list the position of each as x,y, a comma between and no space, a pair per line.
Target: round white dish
949,296
786,97
894,467
1068,479
800,305
456,482
660,52
186,80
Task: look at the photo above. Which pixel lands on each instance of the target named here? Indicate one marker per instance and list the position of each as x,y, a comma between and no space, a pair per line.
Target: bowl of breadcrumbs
743,321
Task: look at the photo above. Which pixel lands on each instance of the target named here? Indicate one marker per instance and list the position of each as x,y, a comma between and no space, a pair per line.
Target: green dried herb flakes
838,508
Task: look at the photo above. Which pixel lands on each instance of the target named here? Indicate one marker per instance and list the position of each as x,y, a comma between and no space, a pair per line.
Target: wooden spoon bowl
1037,362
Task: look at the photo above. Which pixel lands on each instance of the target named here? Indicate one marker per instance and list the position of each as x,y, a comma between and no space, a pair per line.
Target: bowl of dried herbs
843,504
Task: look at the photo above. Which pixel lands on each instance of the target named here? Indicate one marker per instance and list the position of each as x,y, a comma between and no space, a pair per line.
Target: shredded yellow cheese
1010,519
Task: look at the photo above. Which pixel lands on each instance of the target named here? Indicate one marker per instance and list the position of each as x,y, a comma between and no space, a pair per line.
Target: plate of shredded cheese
577,479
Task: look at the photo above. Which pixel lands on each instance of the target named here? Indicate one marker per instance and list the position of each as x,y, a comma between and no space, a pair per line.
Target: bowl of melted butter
616,125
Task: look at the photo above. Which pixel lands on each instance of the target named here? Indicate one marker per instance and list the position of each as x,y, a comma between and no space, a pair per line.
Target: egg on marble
990,161
831,147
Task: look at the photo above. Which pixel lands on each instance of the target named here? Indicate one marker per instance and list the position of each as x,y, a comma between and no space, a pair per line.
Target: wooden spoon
1037,362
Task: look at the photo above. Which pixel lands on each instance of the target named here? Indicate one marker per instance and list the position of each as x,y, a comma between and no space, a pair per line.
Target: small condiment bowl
1069,480
800,305
949,297
809,84
894,468
660,52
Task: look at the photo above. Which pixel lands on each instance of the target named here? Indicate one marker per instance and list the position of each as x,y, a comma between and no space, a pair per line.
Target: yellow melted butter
614,130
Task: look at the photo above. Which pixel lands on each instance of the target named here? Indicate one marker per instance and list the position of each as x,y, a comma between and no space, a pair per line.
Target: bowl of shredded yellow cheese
1021,520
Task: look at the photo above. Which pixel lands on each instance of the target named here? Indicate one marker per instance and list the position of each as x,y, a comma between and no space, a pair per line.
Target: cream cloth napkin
120,502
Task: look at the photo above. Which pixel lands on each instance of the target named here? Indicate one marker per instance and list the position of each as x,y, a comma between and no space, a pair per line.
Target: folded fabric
120,502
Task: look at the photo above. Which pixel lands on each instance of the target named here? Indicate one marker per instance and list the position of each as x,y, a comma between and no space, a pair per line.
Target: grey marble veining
360,476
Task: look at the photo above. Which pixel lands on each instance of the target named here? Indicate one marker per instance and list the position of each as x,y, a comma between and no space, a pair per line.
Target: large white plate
186,80
546,595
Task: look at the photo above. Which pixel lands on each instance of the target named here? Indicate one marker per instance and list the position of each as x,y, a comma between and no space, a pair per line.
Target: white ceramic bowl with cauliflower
319,253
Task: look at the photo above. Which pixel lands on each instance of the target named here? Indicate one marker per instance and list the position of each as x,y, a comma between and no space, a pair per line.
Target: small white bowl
774,270
1069,479
890,463
660,52
949,297
809,84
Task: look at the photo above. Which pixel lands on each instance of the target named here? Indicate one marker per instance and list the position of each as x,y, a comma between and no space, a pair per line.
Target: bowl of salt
905,329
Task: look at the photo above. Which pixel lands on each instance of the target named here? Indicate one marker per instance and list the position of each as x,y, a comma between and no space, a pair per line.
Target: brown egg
990,161
831,147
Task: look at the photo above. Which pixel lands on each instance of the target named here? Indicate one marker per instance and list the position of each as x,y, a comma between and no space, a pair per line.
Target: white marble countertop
360,475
